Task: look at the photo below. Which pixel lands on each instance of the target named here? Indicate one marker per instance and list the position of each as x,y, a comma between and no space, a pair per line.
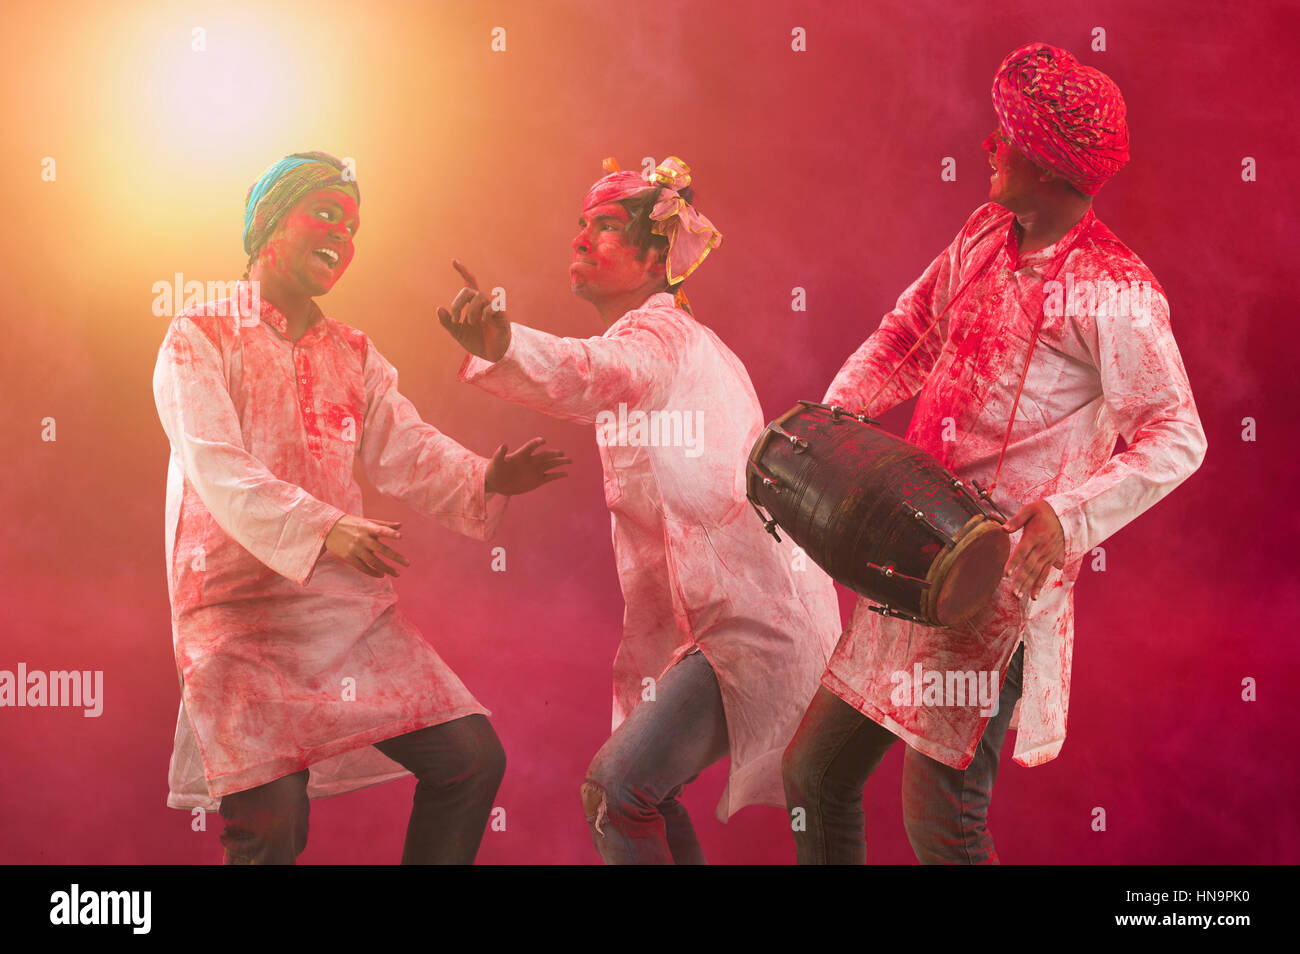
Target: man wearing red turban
1034,340
1063,116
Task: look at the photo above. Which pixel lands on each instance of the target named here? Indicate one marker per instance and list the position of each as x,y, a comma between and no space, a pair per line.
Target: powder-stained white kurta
1099,369
675,417
287,656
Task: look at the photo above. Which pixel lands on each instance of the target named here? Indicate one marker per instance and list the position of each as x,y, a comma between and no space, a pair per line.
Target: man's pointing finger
465,274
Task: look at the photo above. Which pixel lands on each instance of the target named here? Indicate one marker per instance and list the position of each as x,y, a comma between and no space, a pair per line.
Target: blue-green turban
280,188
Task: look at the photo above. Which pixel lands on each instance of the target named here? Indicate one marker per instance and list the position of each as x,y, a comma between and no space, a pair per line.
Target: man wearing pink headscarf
1035,339
725,635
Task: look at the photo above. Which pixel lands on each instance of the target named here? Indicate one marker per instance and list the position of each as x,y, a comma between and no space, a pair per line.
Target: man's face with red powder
605,263
1014,178
322,222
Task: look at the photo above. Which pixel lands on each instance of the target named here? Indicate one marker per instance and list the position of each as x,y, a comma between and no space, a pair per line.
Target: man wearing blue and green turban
300,677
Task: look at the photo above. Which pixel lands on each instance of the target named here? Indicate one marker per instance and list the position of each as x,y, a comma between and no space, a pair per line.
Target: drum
879,515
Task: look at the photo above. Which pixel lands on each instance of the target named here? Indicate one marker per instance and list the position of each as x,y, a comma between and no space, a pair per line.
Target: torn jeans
630,794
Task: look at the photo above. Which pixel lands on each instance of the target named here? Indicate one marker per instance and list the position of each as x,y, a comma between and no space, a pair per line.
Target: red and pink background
822,167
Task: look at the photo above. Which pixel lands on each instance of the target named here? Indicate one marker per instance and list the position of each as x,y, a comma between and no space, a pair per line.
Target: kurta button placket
306,401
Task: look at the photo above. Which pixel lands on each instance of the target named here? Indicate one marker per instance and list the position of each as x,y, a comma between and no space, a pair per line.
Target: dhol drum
881,516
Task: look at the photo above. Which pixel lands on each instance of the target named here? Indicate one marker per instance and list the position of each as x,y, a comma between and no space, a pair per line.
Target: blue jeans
458,766
945,810
630,794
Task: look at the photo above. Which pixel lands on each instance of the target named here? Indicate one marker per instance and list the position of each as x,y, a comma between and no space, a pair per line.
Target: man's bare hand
472,321
1041,547
523,470
357,542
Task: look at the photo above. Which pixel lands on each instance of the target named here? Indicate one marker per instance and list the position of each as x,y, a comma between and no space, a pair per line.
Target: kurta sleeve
575,379
412,461
278,522
862,374
1147,394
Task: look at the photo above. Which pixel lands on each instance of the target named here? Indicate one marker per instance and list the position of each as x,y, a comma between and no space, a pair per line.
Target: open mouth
327,255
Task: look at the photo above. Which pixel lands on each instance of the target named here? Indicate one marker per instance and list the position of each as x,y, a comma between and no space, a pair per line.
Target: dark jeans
630,794
945,810
458,766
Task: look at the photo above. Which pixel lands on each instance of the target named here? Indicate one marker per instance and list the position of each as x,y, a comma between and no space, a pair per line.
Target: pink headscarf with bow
690,235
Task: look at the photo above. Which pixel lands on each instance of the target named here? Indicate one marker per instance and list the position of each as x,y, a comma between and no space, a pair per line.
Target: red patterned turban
1062,115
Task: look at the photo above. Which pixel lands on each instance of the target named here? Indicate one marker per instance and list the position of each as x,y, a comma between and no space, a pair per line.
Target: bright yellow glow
232,80
189,101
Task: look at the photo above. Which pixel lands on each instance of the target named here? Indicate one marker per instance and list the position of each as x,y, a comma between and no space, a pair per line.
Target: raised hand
1039,549
356,541
524,470
473,322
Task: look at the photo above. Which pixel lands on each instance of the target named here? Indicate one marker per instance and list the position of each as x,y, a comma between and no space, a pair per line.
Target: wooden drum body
879,515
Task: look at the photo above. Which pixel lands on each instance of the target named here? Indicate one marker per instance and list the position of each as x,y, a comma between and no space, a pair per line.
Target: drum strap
1024,373
977,273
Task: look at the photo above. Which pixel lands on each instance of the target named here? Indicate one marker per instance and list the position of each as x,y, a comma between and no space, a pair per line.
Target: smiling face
606,264
313,243
1015,179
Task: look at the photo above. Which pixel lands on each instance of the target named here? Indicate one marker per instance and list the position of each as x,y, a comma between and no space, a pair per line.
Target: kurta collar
1045,256
657,300
275,318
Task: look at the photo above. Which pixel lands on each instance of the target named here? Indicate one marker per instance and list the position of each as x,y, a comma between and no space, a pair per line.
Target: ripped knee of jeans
593,804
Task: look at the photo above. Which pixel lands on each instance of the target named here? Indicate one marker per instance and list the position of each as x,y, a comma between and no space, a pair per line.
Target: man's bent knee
491,765
794,771
948,838
595,805
477,762
266,824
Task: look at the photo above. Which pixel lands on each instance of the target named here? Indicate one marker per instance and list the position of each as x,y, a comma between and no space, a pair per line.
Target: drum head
965,578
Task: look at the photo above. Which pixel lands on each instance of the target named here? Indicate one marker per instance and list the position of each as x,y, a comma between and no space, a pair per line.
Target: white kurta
287,656
675,418
1092,377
